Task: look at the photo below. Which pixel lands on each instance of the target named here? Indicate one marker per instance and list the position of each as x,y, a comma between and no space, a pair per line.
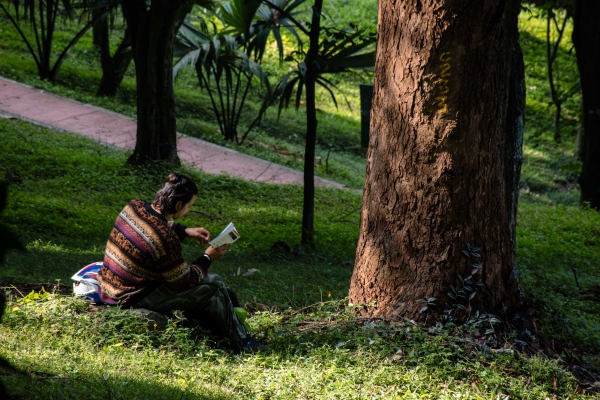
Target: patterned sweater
143,250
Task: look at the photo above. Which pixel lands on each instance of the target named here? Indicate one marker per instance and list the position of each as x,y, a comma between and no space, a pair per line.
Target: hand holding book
228,236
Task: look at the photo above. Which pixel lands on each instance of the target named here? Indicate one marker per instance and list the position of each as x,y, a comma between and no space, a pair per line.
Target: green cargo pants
208,303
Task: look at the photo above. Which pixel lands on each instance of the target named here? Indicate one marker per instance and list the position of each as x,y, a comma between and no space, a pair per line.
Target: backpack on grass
85,283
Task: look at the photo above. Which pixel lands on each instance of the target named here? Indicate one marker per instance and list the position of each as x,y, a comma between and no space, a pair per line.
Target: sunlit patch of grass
558,256
67,350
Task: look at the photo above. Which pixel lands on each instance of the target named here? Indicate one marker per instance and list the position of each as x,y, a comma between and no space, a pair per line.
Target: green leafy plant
340,51
42,16
430,302
466,286
227,59
224,70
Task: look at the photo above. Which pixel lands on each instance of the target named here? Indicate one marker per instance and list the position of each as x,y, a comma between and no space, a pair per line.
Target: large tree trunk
586,37
444,156
308,208
152,31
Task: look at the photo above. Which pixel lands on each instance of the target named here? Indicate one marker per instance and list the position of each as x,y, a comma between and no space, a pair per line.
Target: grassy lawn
65,192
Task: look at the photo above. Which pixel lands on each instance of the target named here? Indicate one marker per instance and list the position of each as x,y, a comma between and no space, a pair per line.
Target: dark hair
177,188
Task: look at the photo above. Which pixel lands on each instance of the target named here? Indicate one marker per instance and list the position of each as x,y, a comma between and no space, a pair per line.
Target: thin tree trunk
98,28
586,37
444,156
152,33
578,151
113,67
308,208
551,55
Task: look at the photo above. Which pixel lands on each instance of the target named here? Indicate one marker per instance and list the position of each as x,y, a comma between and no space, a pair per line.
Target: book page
228,236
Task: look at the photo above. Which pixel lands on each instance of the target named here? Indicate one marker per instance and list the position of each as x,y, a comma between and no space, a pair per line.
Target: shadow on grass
43,265
43,385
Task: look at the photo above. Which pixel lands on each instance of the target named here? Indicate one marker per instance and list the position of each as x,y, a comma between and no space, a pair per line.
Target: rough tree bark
586,38
444,156
152,29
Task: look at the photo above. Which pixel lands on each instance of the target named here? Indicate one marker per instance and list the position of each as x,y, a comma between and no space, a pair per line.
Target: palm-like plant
253,22
338,51
224,70
42,15
232,56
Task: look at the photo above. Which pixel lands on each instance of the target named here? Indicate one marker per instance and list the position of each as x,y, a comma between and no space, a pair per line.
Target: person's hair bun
177,188
173,179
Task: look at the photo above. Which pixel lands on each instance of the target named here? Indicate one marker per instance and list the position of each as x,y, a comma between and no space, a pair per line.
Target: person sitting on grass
143,265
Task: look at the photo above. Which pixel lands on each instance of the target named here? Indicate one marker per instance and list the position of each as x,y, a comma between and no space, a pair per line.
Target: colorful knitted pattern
144,248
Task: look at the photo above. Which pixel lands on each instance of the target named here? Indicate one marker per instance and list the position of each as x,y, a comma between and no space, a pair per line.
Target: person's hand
216,253
201,234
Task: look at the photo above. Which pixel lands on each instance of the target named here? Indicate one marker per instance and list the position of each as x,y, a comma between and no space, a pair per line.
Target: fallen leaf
399,355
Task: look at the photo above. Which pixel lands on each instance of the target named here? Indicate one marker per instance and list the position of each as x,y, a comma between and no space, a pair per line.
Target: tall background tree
586,38
152,28
444,157
330,51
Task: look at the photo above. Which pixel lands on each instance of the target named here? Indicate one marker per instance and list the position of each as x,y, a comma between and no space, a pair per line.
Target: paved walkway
58,113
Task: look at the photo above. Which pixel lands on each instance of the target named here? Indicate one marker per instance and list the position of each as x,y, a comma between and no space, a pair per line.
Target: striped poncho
144,250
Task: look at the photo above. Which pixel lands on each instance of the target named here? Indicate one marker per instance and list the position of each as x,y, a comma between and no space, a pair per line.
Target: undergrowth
327,351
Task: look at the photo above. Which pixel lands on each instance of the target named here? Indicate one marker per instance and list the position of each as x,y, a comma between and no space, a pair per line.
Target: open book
228,236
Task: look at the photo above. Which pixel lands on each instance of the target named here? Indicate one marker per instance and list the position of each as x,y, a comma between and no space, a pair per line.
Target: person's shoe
252,346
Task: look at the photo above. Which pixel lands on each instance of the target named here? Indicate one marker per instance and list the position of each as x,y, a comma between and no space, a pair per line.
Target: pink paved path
59,113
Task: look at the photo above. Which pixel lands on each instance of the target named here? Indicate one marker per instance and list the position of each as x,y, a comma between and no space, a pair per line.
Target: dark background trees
586,38
444,157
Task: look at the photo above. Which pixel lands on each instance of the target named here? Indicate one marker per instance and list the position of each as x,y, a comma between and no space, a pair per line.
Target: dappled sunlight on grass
556,246
534,154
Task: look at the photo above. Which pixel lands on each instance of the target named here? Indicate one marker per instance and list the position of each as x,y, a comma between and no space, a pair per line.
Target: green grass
65,192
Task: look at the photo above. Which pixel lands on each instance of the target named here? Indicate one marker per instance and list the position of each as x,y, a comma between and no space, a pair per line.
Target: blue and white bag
85,283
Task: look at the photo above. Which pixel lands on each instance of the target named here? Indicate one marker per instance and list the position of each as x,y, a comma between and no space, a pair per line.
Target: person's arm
179,230
184,275
200,234
203,262
182,232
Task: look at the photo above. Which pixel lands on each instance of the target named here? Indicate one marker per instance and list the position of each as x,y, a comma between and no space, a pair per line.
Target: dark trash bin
366,98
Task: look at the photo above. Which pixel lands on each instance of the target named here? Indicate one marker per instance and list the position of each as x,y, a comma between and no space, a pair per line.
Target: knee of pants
215,279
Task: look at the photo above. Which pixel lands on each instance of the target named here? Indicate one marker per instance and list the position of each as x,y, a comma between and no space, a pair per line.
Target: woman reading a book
143,265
